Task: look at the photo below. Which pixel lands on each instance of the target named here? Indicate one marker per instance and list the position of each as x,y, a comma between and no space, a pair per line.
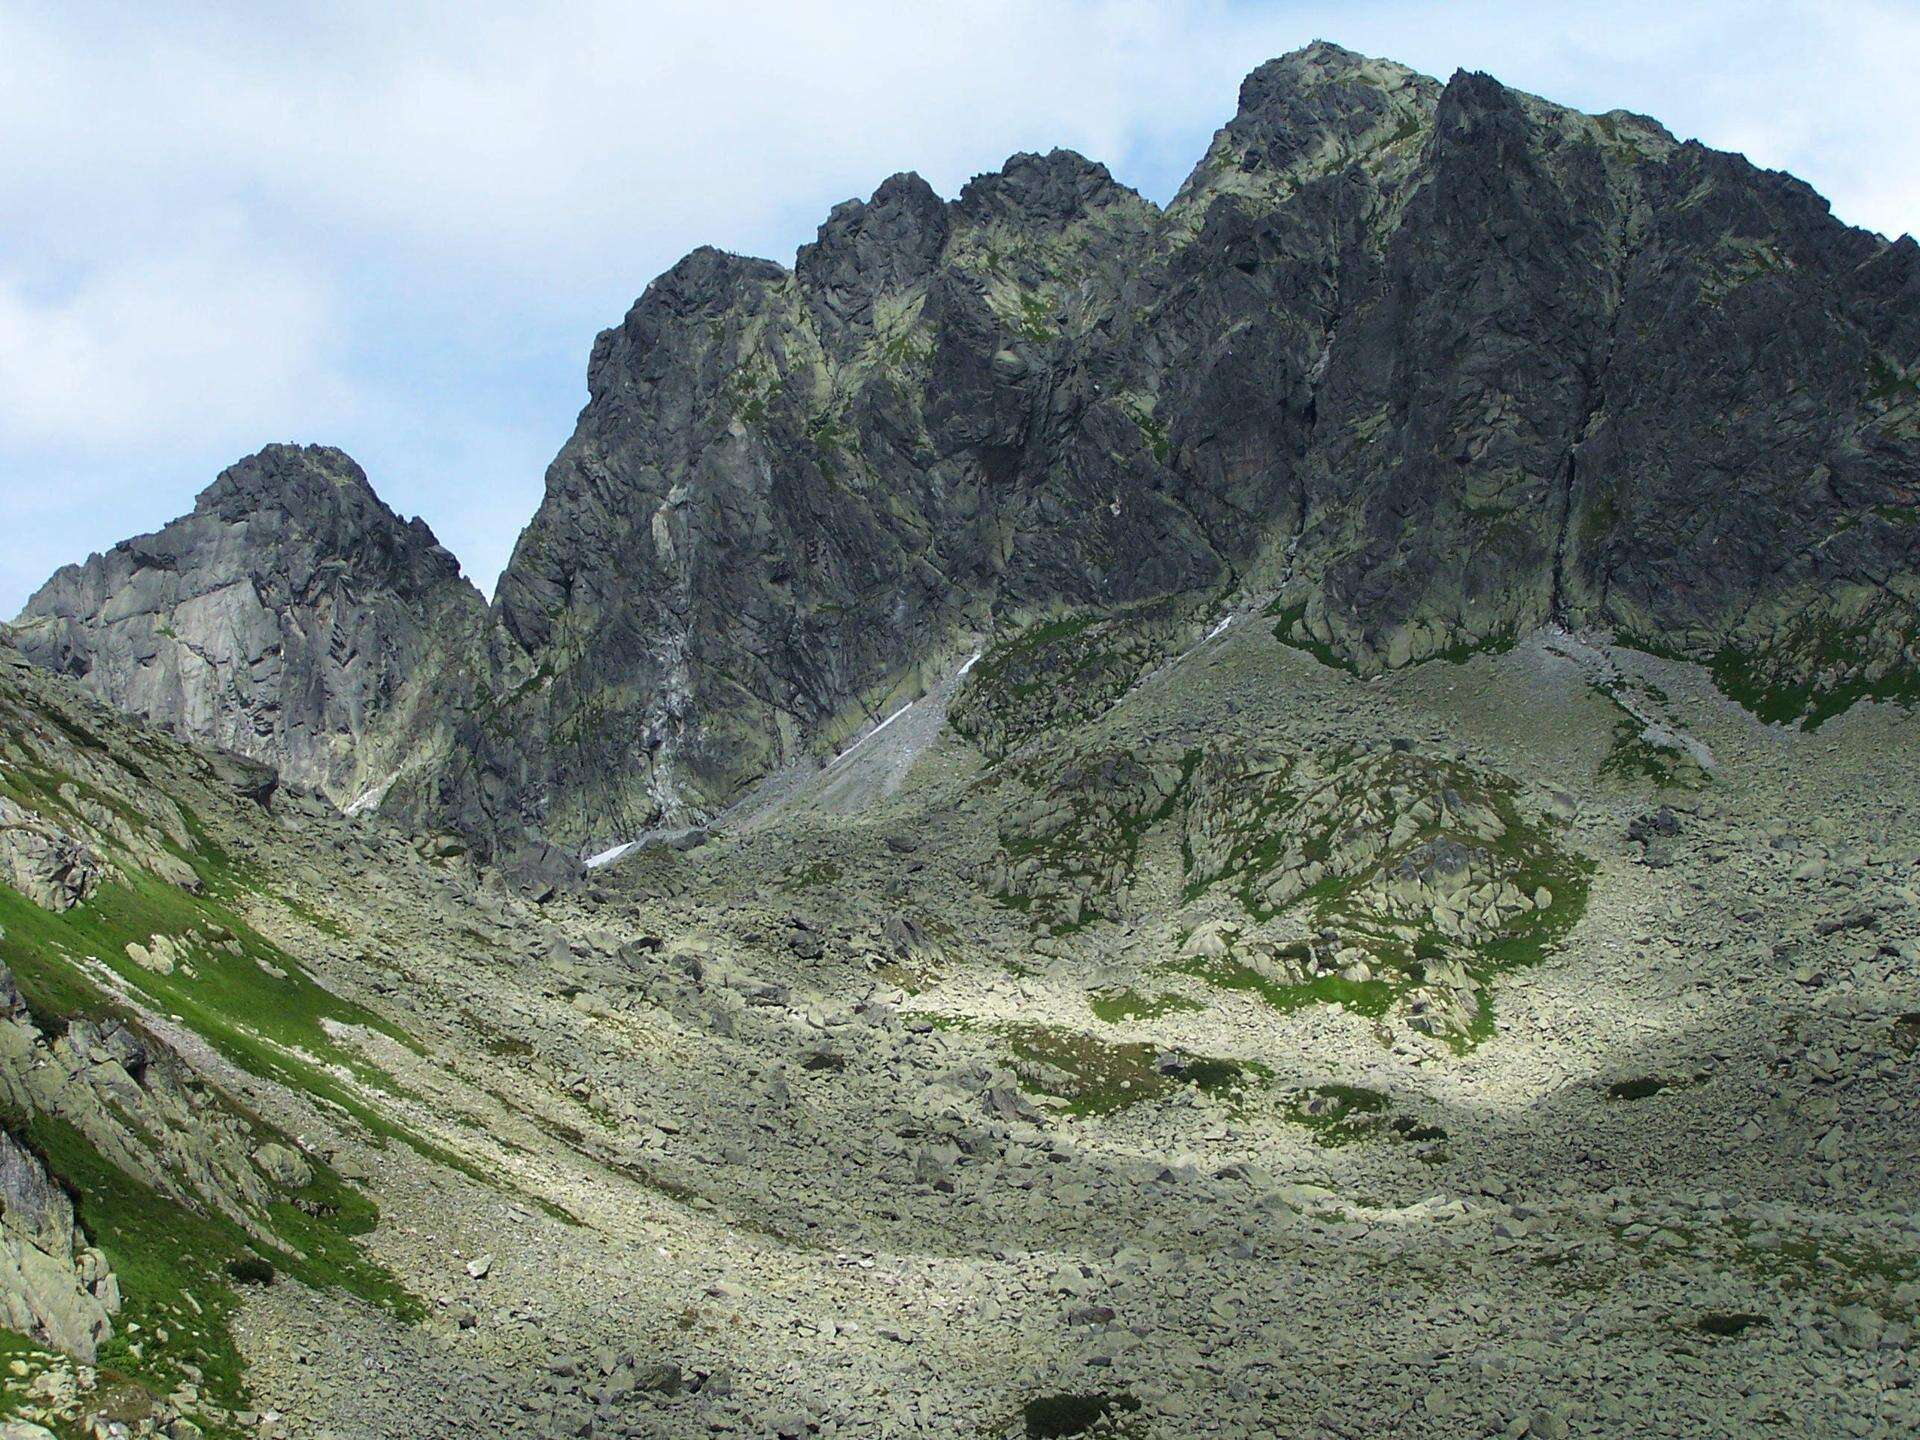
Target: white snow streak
1218,628
972,662
871,733
607,857
370,798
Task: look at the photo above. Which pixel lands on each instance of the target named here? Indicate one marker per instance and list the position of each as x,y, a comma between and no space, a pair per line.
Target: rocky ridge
1420,367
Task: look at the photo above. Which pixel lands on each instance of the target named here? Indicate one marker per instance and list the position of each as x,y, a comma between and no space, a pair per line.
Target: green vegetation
1063,671
245,996
1465,650
1097,1077
1152,432
1337,1114
1840,1271
1102,806
994,665
178,1264
1633,756
1887,384
1779,703
22,1359
1409,128
1372,998
1742,679
1363,819
1285,617
1116,1006
750,389
1036,319
811,876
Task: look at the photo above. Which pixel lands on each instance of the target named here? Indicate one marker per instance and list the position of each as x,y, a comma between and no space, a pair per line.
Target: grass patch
271,1022
1840,1271
1742,679
811,876
1049,1417
1036,319
1118,1006
1284,621
178,1265
1337,1114
1090,1076
1062,671
1372,998
1342,826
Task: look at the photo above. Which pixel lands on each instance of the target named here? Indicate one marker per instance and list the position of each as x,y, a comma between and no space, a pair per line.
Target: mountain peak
1279,84
288,474
1056,187
291,590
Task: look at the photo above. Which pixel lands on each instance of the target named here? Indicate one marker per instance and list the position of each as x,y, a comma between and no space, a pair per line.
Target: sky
397,227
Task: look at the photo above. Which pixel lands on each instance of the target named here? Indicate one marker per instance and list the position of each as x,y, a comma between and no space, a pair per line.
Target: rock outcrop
292,618
54,1287
43,862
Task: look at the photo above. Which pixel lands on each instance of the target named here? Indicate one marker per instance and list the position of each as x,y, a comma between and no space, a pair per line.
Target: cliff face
789,491
291,617
1429,364
1440,363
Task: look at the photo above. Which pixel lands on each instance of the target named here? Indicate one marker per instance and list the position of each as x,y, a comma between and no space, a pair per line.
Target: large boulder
43,862
54,1287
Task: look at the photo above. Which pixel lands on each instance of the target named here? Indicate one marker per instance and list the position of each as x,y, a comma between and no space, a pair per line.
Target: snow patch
1228,620
607,857
972,661
873,732
370,798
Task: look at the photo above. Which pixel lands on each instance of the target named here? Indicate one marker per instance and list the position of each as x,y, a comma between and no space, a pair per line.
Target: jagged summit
308,471
1422,365
291,617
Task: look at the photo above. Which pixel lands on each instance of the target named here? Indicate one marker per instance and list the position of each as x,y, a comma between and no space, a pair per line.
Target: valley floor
950,1097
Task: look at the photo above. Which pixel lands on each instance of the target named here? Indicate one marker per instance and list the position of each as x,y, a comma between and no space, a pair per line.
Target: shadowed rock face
291,617
1440,362
1432,364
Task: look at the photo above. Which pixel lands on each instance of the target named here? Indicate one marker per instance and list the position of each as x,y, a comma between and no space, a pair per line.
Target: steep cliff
292,618
1433,363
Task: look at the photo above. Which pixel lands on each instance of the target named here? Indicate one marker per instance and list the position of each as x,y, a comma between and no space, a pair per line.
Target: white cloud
174,348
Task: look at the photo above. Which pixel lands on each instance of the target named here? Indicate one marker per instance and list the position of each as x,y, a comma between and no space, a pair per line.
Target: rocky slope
1517,1046
292,617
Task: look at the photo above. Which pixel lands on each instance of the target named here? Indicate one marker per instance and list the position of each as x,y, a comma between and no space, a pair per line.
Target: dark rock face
1430,364
291,618
789,490
1440,363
